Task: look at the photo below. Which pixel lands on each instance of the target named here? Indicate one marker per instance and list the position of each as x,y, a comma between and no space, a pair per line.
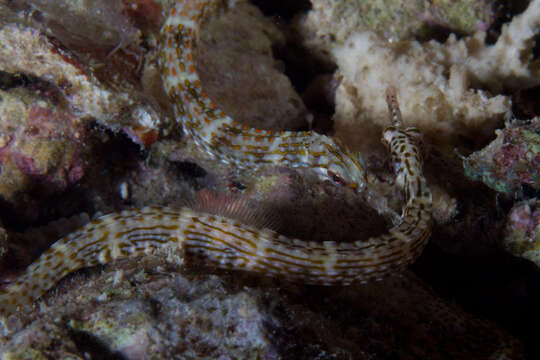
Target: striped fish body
227,243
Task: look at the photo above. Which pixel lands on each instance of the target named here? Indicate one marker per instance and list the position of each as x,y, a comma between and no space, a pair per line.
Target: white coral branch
438,84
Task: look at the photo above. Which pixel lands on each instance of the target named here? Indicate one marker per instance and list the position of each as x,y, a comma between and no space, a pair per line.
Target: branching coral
448,90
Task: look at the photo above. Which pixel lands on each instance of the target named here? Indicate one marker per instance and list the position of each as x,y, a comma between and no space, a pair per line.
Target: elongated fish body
230,244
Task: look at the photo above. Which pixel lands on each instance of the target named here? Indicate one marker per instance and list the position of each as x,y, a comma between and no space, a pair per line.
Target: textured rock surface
148,309
95,23
510,161
40,144
522,233
116,105
332,22
236,51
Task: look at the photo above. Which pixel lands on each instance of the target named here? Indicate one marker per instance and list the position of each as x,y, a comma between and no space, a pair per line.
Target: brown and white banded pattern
218,133
227,243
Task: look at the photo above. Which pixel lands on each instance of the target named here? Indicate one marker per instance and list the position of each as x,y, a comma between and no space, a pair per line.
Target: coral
448,90
511,160
332,22
522,233
115,106
41,145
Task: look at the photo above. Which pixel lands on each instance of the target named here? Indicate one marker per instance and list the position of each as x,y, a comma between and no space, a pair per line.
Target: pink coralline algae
45,150
48,126
522,233
511,160
91,87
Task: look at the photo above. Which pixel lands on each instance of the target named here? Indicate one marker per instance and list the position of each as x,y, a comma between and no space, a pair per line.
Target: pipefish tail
230,244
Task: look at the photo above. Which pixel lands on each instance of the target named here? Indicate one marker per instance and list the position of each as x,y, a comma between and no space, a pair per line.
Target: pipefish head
334,162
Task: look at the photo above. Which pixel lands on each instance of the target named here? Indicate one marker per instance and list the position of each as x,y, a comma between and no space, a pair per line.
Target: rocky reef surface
86,129
511,161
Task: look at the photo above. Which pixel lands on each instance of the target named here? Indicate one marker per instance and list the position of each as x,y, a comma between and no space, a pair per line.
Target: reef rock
522,233
41,146
237,67
140,309
332,22
117,106
510,161
449,90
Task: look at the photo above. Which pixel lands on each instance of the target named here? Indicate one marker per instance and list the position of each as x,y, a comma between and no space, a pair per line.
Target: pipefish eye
335,178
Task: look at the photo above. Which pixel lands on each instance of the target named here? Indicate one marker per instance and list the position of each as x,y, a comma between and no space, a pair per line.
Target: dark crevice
50,91
437,32
93,346
525,103
504,12
311,78
511,285
112,156
10,81
536,46
284,9
189,169
303,68
190,172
